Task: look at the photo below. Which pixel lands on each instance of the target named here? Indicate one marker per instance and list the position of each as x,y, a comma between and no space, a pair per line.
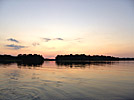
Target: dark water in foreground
112,81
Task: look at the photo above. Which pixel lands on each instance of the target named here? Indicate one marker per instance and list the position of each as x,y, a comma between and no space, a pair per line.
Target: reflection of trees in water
6,63
24,64
84,64
29,64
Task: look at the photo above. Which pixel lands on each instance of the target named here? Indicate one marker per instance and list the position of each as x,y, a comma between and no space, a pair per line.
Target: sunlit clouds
50,39
16,47
13,40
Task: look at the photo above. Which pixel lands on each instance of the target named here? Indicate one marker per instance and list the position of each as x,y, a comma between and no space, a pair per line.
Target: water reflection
84,64
6,63
60,64
24,64
29,64
53,83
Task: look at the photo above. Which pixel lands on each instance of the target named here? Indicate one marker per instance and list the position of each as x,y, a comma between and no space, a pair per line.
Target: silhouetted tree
83,57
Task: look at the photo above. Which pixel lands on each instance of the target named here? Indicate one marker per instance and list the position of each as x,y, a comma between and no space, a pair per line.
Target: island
87,58
39,59
23,59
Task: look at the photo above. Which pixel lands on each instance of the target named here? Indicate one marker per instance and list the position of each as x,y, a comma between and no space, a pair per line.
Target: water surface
51,81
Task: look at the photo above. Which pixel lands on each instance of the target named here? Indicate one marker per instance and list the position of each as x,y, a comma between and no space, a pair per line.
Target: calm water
97,81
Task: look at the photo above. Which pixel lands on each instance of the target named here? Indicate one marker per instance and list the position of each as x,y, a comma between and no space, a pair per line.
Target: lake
51,81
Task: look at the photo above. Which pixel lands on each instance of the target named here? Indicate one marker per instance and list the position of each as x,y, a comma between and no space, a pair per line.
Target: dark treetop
35,58
87,58
28,59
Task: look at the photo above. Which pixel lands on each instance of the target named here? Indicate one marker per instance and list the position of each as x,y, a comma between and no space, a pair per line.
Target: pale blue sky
105,25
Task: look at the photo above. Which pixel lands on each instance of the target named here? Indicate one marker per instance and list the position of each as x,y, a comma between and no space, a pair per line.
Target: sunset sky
51,27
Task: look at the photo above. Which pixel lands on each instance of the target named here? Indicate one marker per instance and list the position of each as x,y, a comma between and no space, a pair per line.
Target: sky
55,27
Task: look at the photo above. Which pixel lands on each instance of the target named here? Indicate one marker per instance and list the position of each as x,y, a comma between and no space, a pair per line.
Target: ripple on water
19,93
23,84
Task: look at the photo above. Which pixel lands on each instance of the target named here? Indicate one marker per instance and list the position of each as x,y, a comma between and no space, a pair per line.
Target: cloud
35,44
46,39
13,40
58,39
16,47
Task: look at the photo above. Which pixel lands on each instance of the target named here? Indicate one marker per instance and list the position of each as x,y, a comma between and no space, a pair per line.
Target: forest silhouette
35,59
